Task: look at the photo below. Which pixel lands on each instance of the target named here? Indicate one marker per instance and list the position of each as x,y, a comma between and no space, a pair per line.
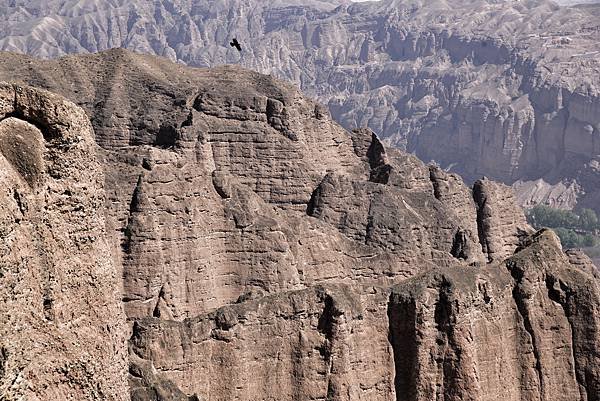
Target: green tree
565,222
590,241
588,220
545,216
568,238
565,218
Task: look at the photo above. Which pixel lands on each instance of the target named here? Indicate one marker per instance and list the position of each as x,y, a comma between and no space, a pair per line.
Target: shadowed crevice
402,335
3,359
327,326
167,137
561,293
480,199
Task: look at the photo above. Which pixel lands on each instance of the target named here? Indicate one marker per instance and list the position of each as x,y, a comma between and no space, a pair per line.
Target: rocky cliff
267,253
250,153
510,88
519,330
62,327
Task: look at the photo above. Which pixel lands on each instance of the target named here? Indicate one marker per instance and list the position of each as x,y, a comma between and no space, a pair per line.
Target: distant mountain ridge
511,89
574,2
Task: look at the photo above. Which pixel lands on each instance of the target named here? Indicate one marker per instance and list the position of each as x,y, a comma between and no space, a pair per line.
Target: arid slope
510,88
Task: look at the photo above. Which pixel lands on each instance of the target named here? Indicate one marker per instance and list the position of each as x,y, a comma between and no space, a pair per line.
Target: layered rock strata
513,331
523,329
212,202
509,87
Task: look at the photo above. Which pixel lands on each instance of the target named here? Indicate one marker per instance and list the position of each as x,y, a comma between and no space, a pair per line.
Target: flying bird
236,44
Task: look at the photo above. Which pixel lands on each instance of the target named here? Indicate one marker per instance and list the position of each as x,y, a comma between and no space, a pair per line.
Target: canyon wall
62,327
267,253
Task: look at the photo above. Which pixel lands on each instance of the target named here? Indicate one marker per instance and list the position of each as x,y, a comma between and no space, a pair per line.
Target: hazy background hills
573,2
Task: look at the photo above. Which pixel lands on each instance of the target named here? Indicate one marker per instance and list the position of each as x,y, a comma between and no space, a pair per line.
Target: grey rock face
575,2
510,88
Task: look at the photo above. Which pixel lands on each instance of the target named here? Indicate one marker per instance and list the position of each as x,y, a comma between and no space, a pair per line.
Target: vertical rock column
501,224
62,328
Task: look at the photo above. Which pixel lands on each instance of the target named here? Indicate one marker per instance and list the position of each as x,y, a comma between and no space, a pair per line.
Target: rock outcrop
62,327
500,220
513,331
211,202
267,253
326,342
509,87
465,331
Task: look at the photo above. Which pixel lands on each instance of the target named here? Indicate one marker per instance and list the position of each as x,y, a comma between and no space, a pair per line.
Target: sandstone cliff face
467,330
212,202
327,342
62,327
267,253
311,309
510,88
499,219
518,330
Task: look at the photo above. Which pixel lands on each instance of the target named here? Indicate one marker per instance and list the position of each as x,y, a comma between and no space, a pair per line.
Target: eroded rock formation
509,87
267,253
513,331
212,202
62,327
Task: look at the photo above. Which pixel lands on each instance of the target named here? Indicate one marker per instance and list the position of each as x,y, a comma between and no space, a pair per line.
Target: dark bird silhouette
236,44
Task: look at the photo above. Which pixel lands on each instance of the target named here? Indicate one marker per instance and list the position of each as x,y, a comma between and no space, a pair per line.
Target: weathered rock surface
327,342
211,202
509,87
267,253
62,327
514,331
499,219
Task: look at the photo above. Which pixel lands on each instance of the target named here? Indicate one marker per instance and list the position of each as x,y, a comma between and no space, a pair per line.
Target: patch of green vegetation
579,229
571,239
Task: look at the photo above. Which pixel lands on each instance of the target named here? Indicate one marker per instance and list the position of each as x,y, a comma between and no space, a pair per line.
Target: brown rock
326,342
513,331
501,223
268,254
524,329
209,204
146,384
62,327
579,259
449,80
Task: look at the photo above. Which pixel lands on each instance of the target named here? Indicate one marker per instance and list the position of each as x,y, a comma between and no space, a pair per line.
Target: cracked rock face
252,187
509,87
62,328
267,253
513,331
523,329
